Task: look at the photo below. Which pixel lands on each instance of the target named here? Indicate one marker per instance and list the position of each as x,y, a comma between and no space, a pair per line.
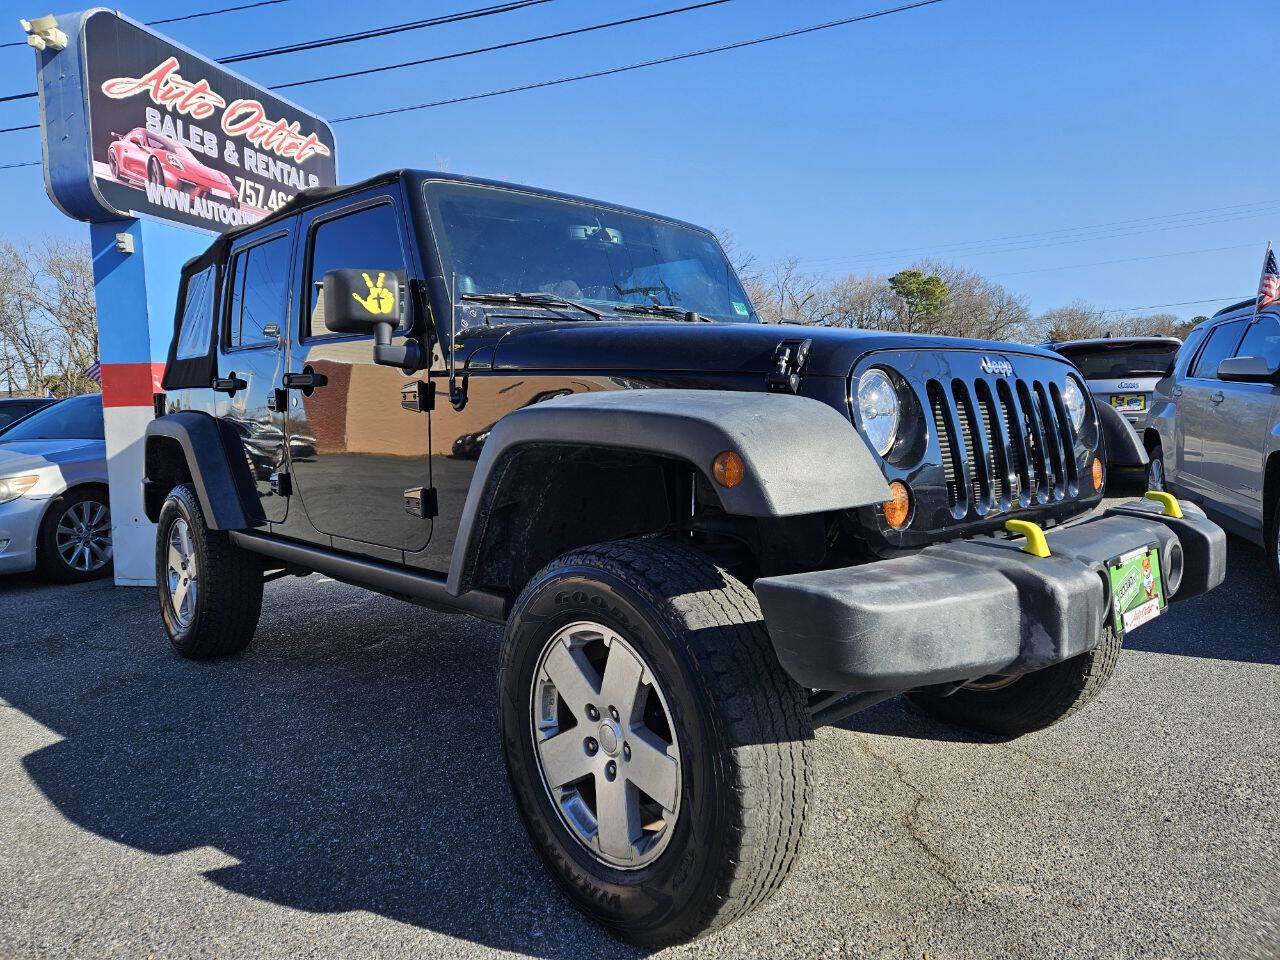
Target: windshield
78,418
1113,363
506,241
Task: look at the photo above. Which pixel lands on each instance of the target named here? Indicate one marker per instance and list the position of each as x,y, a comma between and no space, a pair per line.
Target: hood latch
789,359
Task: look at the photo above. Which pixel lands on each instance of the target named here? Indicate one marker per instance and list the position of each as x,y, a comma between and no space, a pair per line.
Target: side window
1187,351
1220,345
258,289
196,332
368,239
1262,340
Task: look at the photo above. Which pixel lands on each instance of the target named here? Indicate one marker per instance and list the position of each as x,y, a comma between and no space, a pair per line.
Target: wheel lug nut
592,712
591,746
613,712
626,751
610,770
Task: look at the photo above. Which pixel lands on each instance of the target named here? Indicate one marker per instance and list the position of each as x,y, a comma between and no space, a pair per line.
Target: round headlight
878,409
1073,400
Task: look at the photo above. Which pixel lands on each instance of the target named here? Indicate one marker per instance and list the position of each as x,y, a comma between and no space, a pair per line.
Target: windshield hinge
418,396
789,358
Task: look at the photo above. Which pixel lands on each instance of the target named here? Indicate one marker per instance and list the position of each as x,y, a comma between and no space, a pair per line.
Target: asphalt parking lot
338,792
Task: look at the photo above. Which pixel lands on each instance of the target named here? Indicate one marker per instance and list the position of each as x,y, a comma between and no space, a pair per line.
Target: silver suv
1214,431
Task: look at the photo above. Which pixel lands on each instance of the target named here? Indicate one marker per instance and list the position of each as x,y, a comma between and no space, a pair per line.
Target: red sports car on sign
140,156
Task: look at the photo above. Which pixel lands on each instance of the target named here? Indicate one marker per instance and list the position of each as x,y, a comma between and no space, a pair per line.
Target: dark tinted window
1113,363
259,287
77,418
197,316
368,239
1221,344
1262,340
10,412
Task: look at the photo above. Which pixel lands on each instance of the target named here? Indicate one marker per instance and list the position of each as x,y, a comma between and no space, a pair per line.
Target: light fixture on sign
43,32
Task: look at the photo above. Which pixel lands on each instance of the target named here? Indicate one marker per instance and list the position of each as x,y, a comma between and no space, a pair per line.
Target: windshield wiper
535,300
662,310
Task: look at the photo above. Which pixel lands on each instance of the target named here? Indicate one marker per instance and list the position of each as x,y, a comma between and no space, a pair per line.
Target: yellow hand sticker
380,300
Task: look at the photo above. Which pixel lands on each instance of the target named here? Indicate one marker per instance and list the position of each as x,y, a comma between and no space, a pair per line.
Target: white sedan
54,513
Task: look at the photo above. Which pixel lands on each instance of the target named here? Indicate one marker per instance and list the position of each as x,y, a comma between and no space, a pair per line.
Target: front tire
1273,539
679,800
74,542
1012,706
210,590
1156,478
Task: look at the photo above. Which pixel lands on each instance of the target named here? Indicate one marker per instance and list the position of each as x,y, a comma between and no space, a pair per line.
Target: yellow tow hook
1168,503
1036,544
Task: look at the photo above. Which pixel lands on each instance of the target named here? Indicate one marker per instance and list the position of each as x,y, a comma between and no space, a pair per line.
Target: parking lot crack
911,820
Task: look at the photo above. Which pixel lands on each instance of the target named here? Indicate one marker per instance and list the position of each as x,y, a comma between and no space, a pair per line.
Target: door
356,450
1246,417
256,304
1204,414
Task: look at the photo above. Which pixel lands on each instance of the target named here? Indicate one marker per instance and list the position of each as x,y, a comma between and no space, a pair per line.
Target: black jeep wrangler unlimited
706,535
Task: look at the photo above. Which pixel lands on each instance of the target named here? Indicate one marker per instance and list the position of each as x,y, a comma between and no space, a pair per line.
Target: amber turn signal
898,510
1097,474
728,469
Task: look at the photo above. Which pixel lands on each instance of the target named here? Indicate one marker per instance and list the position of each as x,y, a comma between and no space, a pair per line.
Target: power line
1180,303
29,163
384,31
188,16
29,126
458,17
1106,263
639,66
498,46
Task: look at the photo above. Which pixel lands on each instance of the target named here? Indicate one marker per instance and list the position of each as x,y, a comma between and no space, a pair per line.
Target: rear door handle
1218,397
304,381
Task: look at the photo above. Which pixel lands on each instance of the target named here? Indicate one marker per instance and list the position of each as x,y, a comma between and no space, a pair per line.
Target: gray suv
1214,431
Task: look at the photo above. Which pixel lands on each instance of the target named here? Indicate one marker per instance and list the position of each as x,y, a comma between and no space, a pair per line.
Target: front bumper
968,609
19,529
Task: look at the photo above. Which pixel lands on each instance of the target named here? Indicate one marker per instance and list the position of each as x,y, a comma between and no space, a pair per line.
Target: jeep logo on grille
996,367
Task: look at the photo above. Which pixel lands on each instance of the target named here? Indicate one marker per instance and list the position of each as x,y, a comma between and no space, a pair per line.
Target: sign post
157,148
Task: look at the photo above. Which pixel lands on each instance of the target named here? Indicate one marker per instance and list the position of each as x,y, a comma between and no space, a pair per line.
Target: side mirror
1248,370
371,302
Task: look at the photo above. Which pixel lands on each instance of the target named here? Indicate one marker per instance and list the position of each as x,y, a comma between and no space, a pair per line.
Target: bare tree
48,322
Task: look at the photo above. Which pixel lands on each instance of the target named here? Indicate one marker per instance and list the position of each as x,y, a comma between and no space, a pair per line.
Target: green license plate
1137,591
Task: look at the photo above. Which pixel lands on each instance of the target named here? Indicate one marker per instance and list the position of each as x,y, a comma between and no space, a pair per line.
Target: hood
19,456
627,345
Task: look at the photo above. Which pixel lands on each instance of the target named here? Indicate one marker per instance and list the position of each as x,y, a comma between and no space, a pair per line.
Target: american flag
94,373
1269,285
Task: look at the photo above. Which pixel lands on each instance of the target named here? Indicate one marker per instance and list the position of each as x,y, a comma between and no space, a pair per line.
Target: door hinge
282,484
418,395
789,358
421,502
278,401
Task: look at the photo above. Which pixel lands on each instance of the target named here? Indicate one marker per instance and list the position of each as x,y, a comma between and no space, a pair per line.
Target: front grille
1002,450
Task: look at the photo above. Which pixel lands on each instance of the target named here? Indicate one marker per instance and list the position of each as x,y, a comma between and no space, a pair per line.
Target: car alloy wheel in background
83,536
610,761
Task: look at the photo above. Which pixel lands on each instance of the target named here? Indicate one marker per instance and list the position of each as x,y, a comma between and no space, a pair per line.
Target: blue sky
928,132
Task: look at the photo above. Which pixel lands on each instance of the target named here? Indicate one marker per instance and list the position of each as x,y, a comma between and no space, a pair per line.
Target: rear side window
368,239
197,316
1220,345
259,288
1262,340
1188,350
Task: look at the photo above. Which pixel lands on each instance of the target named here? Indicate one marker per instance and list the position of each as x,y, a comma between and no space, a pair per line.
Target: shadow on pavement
348,761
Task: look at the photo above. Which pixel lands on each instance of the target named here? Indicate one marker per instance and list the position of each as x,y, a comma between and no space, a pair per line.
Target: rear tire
737,731
210,590
1030,702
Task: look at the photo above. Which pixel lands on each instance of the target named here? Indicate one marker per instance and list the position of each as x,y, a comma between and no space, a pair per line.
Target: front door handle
1218,397
304,381
228,384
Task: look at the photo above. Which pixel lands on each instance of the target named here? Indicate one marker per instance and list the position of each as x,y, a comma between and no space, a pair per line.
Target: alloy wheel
181,574
605,745
83,536
1155,473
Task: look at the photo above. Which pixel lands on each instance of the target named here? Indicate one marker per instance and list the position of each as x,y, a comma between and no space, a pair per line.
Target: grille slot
1002,448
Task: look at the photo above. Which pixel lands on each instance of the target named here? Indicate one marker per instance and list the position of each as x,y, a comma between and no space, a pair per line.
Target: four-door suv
1122,371
1214,430
706,535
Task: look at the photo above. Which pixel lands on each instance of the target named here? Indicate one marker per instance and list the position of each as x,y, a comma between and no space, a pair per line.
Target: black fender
1124,447
801,456
215,461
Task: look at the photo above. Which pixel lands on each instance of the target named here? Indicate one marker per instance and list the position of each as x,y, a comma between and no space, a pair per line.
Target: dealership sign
135,123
